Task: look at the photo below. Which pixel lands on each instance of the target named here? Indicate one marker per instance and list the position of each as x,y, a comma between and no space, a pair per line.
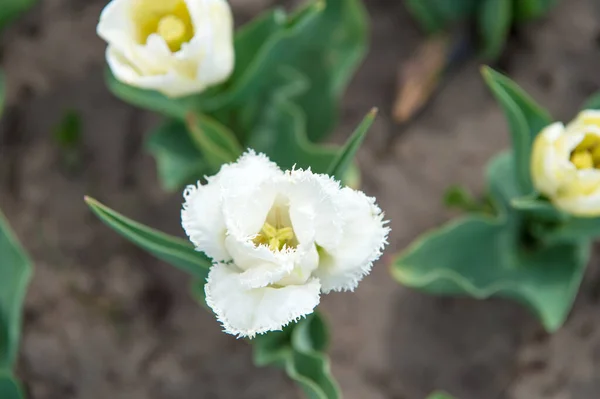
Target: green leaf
426,15
281,129
175,251
312,335
479,258
459,198
593,102
525,118
299,349
10,9
329,55
341,164
257,78
572,230
273,348
15,273
216,142
352,178
311,371
151,100
494,19
250,37
440,395
9,387
435,15
537,208
197,291
526,10
178,160
325,42
483,257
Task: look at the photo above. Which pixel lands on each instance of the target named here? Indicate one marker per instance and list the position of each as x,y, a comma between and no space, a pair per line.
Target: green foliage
435,15
459,198
572,230
179,253
68,137
340,165
537,208
528,251
217,144
11,9
525,118
483,256
290,73
593,102
281,99
280,130
299,349
493,18
526,10
178,160
9,387
15,273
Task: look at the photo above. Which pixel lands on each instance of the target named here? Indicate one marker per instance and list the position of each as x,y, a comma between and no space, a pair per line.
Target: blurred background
105,320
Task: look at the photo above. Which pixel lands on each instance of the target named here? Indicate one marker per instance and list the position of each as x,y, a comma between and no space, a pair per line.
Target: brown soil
105,320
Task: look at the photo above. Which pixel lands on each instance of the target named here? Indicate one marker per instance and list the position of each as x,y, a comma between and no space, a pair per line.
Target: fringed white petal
313,209
249,189
247,312
203,221
363,239
334,237
260,266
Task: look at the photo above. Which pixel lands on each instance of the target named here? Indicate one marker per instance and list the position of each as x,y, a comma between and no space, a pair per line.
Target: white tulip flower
278,240
565,164
177,47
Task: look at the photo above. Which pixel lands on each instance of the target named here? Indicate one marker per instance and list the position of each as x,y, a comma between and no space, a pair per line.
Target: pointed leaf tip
485,71
346,155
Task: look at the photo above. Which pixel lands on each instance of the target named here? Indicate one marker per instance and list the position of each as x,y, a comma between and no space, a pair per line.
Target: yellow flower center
587,153
172,29
168,18
277,232
275,237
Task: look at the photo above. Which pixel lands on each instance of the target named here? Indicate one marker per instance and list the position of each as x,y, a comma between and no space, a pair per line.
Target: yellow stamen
172,29
269,230
589,141
274,237
582,160
596,156
168,18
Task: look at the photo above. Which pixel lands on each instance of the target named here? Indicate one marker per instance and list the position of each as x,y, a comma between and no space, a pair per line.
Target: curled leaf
482,257
299,349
